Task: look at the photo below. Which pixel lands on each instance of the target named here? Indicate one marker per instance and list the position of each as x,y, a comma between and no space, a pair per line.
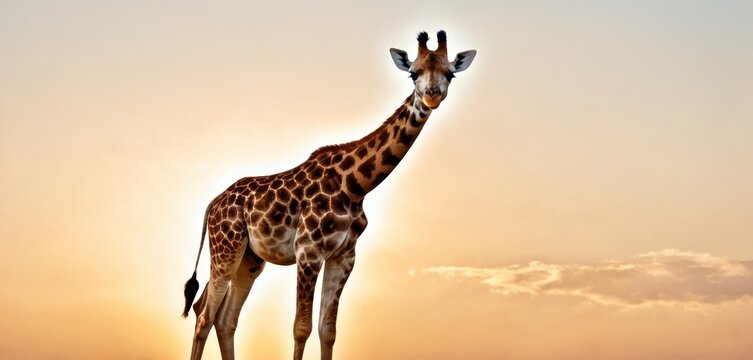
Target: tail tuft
189,291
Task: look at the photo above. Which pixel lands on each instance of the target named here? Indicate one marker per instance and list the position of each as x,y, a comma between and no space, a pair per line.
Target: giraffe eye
450,76
414,75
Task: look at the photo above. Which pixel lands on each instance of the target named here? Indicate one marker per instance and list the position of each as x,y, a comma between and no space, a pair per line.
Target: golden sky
585,191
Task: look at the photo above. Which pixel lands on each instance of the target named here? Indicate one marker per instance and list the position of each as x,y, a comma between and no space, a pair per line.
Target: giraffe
310,215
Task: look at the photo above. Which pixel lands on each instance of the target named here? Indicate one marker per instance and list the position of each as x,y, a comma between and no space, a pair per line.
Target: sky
584,192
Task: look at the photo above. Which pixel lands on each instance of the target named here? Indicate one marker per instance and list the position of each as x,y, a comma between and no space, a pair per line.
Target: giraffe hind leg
227,317
224,265
216,290
199,304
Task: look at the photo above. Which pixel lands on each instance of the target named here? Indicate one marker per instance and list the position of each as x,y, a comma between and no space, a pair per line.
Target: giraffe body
310,216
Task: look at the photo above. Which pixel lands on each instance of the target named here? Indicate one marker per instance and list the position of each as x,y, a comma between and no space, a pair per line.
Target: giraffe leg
227,317
224,265
216,289
308,264
199,304
336,272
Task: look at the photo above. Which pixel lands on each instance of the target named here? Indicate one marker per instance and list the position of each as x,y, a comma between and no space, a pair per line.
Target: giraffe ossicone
310,215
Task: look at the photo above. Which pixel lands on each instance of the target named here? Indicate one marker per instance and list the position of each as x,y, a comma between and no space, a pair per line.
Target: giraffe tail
189,291
192,285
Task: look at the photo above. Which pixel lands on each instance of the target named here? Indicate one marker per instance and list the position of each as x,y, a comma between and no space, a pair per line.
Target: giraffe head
432,71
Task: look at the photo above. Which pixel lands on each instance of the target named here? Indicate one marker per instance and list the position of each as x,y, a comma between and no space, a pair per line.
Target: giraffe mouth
432,101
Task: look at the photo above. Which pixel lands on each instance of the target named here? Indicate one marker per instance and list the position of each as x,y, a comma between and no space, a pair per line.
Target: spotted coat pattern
307,212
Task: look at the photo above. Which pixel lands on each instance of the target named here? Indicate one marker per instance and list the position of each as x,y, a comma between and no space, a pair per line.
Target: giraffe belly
275,249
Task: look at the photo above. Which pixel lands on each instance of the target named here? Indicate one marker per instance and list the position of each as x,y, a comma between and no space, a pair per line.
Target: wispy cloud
661,277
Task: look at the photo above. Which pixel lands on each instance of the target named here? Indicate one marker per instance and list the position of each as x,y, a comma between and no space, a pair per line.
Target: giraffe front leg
336,272
308,263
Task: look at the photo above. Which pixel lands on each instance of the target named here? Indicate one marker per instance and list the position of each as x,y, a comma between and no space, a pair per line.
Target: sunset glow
585,191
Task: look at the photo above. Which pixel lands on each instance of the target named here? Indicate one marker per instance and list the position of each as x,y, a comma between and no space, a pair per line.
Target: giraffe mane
353,144
350,144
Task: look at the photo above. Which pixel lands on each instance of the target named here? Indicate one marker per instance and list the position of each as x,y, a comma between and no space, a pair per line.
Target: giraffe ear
463,60
400,57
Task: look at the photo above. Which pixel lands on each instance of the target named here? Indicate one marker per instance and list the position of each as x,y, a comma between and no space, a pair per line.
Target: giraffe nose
432,91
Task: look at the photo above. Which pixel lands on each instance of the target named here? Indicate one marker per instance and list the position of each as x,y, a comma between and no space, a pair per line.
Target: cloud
668,276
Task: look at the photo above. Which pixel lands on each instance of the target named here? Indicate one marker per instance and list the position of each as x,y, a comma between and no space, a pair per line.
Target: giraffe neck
375,156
